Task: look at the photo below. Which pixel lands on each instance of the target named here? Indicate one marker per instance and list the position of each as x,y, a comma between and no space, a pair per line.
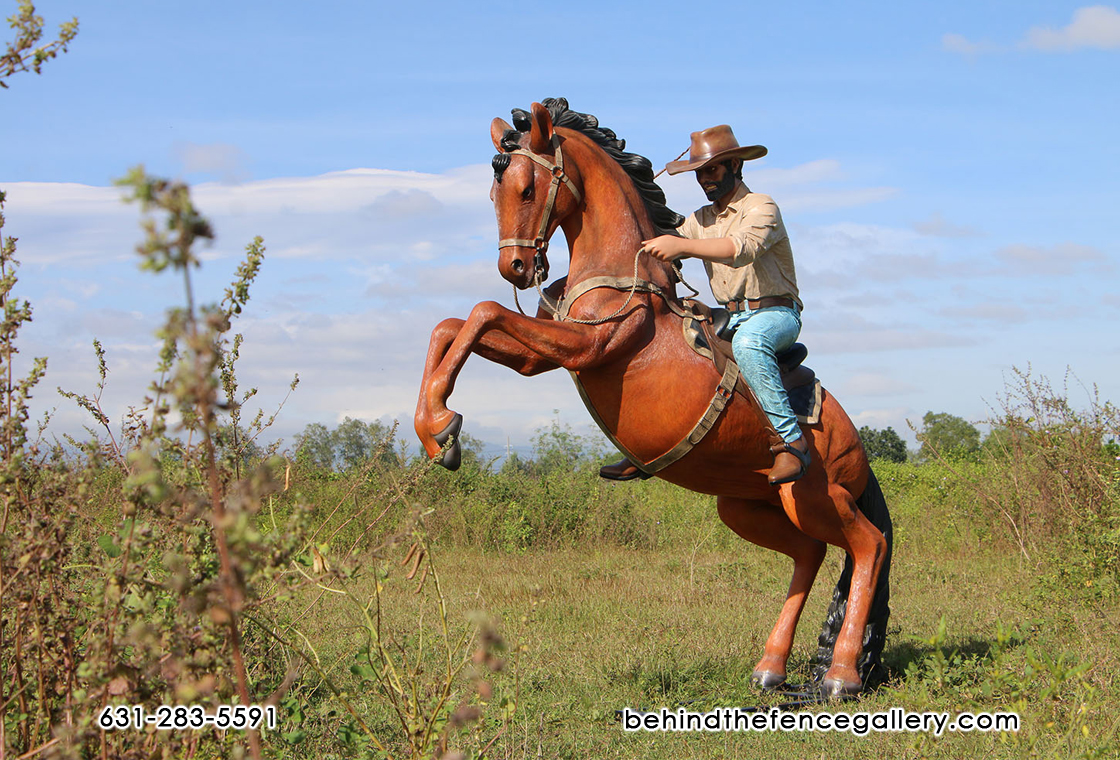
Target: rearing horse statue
624,347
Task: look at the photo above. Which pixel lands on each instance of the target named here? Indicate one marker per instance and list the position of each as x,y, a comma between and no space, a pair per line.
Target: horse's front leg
515,340
495,346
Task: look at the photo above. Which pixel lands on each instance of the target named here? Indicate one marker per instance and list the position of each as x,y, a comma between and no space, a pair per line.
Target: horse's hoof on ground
767,680
453,456
838,687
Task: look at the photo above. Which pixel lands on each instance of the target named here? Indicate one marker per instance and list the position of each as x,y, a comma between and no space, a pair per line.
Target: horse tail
874,507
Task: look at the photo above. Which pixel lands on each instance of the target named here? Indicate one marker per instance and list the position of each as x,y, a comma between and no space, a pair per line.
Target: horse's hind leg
836,519
765,524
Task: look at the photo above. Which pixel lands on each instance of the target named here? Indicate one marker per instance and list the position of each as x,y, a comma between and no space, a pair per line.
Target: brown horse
559,170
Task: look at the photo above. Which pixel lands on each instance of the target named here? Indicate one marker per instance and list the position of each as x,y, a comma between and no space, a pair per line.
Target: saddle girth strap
724,391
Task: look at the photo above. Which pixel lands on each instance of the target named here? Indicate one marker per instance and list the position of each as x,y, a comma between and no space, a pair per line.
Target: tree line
941,434
556,447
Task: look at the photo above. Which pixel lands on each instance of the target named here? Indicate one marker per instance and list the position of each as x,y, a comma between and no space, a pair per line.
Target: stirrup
803,459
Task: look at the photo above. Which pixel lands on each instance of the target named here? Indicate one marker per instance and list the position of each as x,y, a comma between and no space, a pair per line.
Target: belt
760,303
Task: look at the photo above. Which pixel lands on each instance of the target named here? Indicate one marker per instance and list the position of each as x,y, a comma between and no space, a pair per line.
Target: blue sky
948,174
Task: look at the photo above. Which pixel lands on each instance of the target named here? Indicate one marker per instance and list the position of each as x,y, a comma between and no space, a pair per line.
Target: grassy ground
592,628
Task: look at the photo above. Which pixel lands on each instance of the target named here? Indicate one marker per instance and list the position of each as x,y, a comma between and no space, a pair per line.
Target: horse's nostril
518,265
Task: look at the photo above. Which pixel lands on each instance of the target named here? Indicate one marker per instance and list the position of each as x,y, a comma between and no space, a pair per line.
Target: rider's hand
665,247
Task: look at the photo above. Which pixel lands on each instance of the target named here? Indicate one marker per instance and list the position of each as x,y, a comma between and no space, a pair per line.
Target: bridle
540,243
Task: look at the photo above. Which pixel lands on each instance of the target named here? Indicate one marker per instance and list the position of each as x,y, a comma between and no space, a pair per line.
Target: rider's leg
760,336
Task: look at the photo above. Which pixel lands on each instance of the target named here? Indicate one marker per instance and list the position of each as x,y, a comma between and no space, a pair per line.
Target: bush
1049,477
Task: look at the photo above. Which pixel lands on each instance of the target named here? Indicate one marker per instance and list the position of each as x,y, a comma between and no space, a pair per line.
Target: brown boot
623,470
791,460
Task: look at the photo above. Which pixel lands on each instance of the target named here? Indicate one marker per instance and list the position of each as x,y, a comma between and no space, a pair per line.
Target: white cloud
875,384
841,257
819,185
352,190
996,312
853,333
938,226
396,204
844,245
821,170
1061,259
833,200
63,198
1096,26
880,419
367,214
226,161
958,43
1092,27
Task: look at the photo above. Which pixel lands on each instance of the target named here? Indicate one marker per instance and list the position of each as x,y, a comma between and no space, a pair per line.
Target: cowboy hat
712,146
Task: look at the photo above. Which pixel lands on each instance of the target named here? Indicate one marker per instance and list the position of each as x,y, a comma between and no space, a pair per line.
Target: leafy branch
24,53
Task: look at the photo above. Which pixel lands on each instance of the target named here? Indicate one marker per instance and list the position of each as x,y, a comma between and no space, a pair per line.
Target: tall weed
158,566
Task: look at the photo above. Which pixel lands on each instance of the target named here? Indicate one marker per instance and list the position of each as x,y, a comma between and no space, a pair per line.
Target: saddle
708,333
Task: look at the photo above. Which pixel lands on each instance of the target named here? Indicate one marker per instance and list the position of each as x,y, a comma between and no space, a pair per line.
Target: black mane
638,168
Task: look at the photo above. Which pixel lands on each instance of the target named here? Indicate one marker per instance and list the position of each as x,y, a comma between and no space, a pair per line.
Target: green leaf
105,541
363,671
294,737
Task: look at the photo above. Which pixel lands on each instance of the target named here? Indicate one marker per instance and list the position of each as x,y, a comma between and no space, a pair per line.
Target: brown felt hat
712,146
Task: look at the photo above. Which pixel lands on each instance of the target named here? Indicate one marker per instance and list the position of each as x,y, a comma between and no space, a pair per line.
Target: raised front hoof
453,455
834,687
767,680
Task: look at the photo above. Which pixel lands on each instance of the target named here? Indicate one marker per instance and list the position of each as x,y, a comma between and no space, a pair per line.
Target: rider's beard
715,192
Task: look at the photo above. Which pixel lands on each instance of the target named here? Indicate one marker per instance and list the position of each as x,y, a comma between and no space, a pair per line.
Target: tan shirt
763,264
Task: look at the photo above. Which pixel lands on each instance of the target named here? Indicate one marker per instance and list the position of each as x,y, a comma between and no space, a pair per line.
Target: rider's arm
756,230
670,247
751,234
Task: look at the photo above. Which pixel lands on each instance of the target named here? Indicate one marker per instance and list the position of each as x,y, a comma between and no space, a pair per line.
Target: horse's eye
527,193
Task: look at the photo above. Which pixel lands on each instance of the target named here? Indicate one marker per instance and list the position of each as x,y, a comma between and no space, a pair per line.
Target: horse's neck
605,237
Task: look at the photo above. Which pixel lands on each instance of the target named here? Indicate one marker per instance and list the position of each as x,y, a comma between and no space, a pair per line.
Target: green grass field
679,619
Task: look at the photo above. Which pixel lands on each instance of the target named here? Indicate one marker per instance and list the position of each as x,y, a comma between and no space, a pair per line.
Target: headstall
540,243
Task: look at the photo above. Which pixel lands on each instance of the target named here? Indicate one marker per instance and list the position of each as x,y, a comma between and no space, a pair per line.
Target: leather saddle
715,335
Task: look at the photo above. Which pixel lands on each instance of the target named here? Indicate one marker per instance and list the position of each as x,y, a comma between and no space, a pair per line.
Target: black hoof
835,688
766,680
453,455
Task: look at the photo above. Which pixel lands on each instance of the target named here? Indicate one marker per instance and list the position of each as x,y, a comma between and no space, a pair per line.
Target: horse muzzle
522,266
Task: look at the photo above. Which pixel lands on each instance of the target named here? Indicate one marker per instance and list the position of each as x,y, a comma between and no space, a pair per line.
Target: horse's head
533,191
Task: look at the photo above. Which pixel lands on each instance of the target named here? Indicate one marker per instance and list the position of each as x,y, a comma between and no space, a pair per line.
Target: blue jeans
760,336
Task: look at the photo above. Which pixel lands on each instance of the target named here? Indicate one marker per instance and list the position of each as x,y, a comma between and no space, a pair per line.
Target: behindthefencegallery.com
896,719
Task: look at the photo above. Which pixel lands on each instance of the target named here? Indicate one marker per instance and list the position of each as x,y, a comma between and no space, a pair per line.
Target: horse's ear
498,127
540,133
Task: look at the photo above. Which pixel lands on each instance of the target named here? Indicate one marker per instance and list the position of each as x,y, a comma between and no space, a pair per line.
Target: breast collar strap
558,177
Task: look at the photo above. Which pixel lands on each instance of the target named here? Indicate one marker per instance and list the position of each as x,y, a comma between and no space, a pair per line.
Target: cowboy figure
742,241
